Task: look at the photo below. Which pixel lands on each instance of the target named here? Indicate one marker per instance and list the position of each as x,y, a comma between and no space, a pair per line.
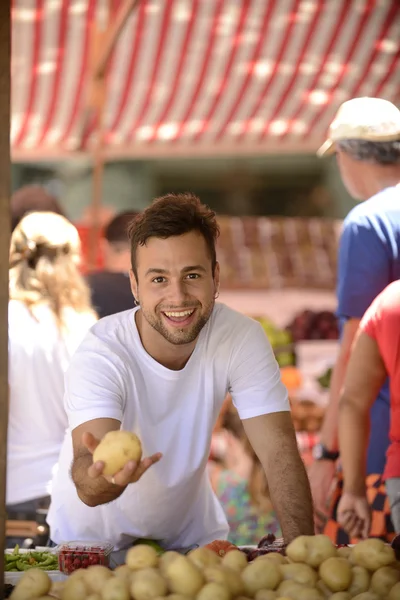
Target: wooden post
5,169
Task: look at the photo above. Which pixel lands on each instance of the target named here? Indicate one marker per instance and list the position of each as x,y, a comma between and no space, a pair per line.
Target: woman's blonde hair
258,484
45,253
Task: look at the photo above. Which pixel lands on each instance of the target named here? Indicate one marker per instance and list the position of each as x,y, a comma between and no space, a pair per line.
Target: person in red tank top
375,355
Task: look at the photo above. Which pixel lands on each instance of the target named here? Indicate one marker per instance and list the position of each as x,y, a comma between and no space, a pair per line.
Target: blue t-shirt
369,259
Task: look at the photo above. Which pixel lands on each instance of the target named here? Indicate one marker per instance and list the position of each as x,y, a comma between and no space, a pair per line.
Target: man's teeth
185,313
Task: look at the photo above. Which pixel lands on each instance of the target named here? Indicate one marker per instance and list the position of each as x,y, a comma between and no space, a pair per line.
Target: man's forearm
290,492
353,436
329,429
92,492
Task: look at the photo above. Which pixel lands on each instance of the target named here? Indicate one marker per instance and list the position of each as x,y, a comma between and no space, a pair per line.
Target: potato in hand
116,449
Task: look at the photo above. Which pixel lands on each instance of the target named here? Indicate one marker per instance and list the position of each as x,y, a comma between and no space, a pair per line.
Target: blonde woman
49,313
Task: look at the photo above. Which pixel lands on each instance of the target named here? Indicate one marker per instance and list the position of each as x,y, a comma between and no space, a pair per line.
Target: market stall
282,271
309,568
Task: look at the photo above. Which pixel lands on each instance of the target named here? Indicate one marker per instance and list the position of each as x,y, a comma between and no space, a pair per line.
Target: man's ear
134,284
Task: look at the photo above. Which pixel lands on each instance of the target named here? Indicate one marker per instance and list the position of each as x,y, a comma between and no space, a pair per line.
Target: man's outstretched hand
130,473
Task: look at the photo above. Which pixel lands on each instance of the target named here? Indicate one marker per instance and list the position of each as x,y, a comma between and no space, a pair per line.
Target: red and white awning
192,77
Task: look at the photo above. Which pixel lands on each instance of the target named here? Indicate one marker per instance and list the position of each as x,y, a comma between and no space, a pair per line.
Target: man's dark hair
32,198
173,215
381,153
116,232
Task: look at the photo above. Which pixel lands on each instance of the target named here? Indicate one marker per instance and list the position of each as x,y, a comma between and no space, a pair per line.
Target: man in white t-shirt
162,370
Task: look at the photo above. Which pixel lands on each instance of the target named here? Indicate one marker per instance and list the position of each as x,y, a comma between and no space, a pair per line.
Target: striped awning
199,77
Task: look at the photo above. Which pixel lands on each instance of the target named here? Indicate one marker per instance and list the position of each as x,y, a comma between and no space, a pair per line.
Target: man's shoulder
389,300
232,322
110,334
379,206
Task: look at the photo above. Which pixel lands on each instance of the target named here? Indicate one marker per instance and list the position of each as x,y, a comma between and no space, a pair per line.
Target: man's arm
329,429
92,486
273,439
365,375
92,491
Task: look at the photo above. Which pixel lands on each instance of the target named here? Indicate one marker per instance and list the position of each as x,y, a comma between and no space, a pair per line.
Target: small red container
80,555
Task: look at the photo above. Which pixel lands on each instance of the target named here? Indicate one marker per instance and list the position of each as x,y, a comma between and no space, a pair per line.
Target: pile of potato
313,569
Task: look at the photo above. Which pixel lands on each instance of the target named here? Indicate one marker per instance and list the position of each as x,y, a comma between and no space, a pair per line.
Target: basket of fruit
81,555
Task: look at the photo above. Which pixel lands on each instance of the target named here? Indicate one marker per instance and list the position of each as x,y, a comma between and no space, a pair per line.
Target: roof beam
112,37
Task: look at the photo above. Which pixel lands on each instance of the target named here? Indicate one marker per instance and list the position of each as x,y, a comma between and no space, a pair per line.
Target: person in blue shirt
365,135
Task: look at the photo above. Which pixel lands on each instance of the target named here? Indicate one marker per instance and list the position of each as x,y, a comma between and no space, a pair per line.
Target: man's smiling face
175,285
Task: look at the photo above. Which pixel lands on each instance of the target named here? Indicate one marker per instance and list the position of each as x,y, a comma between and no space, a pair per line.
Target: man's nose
177,292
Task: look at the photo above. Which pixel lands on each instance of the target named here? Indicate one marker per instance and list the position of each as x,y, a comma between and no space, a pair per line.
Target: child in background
239,482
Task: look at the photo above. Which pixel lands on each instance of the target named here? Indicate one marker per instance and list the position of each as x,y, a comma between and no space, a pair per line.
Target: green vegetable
17,561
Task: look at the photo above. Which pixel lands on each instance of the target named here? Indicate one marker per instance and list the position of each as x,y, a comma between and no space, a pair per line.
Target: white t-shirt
38,359
173,412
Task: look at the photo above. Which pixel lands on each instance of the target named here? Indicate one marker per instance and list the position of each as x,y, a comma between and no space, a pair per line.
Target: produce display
325,379
307,415
309,568
22,561
75,555
281,342
311,325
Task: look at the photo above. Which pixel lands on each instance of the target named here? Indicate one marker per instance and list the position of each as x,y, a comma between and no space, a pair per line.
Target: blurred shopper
111,288
375,356
240,484
49,314
32,198
365,135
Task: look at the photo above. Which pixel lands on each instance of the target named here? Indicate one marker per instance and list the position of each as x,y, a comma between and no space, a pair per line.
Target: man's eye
193,276
158,279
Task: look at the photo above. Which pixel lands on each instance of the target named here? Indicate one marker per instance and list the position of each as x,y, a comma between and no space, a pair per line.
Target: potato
373,554
227,577
174,597
266,595
336,573
75,587
57,588
96,576
116,588
94,596
394,593
116,449
360,580
260,575
204,557
309,593
340,596
165,559
124,572
141,557
183,576
312,550
214,591
297,591
148,584
33,584
275,557
323,588
301,573
235,560
366,596
383,580
344,552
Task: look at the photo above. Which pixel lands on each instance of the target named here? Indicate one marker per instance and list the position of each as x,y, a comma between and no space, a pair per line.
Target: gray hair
382,153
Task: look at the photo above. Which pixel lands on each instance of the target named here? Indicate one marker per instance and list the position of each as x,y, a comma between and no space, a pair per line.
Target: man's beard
179,336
